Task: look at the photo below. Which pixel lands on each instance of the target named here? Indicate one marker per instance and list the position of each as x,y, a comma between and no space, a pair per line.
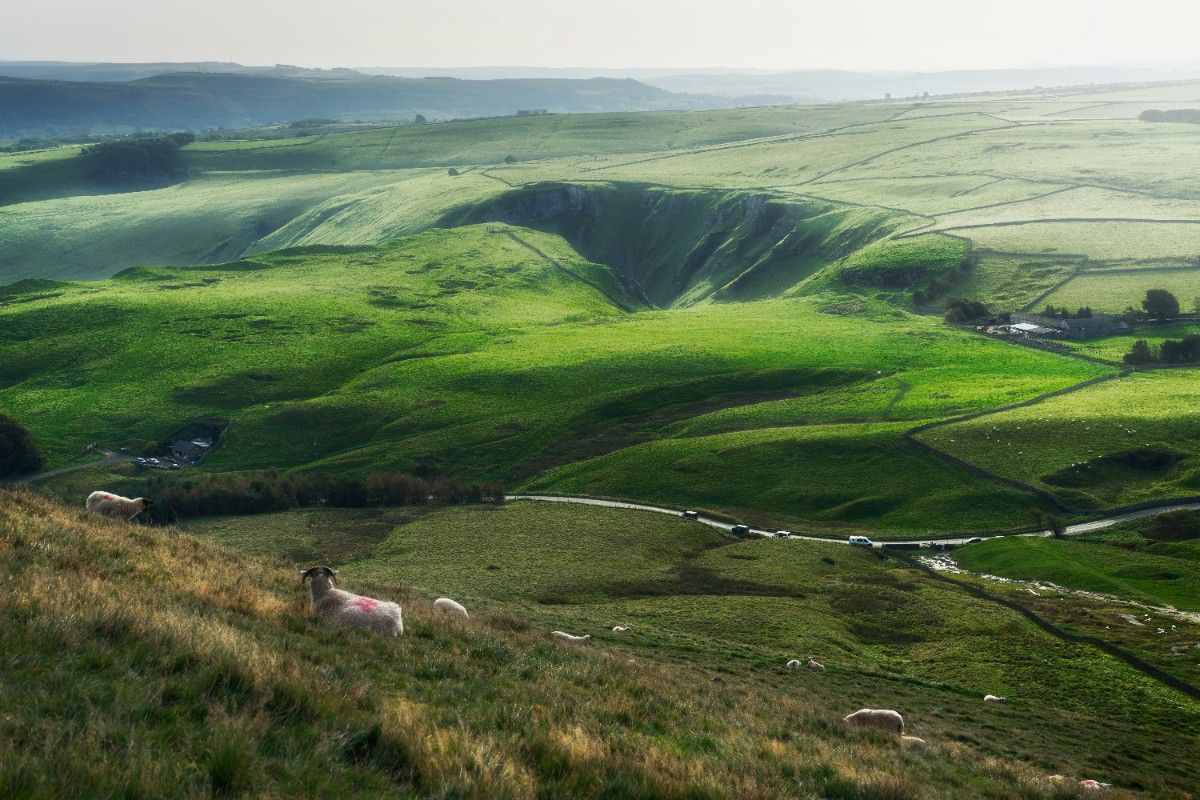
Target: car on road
692,514
861,541
782,534
974,539
740,530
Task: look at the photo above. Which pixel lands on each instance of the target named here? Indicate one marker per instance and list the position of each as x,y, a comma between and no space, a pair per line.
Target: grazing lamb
586,639
991,698
793,664
351,609
814,664
115,506
620,628
912,741
449,606
883,719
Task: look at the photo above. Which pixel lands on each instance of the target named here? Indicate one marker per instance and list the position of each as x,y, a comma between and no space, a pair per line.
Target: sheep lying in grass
793,664
991,698
115,506
351,609
450,607
814,664
586,639
912,741
620,628
883,719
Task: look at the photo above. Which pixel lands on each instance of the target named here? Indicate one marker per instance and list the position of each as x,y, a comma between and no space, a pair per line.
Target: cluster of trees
1173,115
137,161
19,454
963,310
176,497
1171,351
1065,313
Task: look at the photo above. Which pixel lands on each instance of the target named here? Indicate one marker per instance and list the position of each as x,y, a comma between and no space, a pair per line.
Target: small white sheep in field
793,664
883,719
814,664
351,609
620,628
450,607
115,506
912,741
586,639
991,698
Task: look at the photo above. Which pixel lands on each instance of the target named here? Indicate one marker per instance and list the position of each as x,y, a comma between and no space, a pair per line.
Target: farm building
1081,328
191,451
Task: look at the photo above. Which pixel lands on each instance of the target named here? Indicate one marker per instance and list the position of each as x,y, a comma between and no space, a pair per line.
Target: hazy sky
775,34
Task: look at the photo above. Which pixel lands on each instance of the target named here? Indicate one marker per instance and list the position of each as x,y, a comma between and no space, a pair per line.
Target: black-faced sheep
351,609
115,506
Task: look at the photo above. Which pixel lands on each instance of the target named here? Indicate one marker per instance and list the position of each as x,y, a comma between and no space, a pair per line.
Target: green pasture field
1105,291
1151,578
1105,241
1124,441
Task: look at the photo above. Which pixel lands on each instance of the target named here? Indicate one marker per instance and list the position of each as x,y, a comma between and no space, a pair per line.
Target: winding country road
726,527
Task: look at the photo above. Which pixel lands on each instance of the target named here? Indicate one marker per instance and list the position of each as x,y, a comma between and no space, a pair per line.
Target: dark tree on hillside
419,119
1160,303
1140,354
19,454
963,310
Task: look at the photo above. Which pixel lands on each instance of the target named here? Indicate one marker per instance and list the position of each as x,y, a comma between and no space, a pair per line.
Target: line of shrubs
178,497
1171,351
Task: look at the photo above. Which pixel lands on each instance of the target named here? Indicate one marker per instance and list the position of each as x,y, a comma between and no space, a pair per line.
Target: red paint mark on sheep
366,603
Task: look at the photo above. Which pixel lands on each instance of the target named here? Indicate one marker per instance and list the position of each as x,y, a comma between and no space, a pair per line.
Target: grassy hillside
1159,579
238,691
1125,441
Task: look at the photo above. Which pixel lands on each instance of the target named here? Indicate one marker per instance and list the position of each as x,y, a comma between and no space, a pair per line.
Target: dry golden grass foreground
142,662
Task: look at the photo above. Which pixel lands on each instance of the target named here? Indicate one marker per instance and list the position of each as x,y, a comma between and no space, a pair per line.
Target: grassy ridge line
619,302
1113,650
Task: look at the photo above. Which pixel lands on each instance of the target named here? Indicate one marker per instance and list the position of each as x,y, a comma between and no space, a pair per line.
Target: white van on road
861,541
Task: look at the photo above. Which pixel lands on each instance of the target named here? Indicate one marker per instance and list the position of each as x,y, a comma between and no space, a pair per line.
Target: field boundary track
618,302
1120,653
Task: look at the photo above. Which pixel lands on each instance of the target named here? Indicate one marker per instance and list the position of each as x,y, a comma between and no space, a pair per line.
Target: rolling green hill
492,351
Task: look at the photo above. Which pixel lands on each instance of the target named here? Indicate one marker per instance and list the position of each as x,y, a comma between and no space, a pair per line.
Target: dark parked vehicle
740,530
692,514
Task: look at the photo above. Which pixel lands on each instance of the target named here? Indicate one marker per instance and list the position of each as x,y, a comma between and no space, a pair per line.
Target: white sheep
814,664
912,741
450,606
883,719
351,609
793,664
991,698
584,640
620,628
115,506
